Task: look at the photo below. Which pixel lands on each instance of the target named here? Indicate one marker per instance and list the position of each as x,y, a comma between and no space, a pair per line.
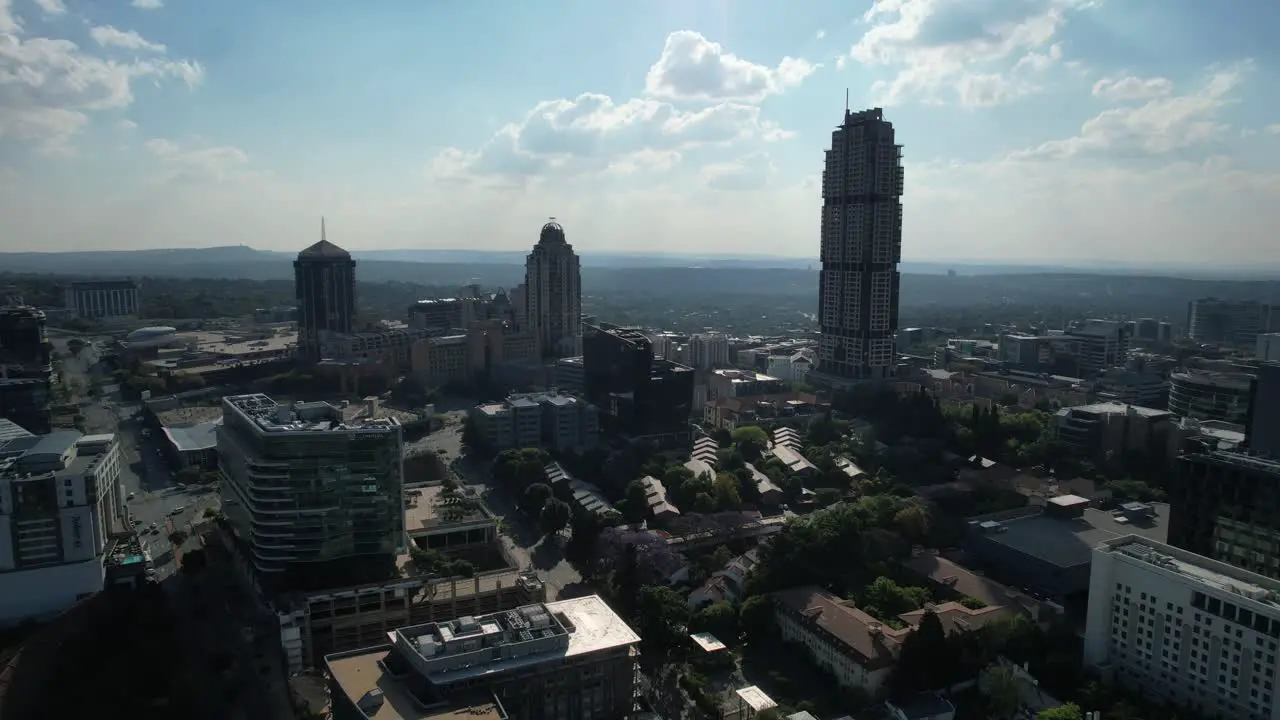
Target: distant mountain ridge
242,261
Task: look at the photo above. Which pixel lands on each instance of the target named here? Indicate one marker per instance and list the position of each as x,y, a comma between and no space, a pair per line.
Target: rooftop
1115,408
10,430
959,578
792,459
1068,542
1199,569
868,638
744,376
203,436
436,507
470,647
271,417
324,250
192,415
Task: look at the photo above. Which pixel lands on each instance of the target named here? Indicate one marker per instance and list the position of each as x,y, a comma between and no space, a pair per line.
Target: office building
570,375
549,420
553,294
861,245
26,370
315,500
709,350
1045,550
1262,432
1268,347
325,287
1225,504
1234,323
637,394
567,659
60,504
1184,629
1111,429
1099,346
1219,396
742,383
103,299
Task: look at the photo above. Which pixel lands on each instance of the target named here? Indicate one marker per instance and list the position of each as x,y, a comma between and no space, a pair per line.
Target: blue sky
1034,130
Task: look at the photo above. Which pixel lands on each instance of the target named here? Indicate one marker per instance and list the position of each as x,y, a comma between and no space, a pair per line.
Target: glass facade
305,494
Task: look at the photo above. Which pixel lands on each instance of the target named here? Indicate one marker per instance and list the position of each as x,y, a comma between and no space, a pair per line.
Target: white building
1184,628
1100,345
60,503
861,246
793,368
103,298
708,350
553,294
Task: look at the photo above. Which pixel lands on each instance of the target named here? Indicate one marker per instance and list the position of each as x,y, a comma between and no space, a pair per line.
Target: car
131,496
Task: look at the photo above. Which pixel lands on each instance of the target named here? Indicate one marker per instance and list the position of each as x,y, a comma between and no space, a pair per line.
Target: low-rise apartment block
549,420
1184,629
571,659
742,383
60,505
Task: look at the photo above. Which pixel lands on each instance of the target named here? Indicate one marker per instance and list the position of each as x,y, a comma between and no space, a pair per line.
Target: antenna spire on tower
322,238
846,101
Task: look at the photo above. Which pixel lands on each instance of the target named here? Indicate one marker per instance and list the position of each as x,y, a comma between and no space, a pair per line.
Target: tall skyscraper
315,495
325,286
861,247
553,294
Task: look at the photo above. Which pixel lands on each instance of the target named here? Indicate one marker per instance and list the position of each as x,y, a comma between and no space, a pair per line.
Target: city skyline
1107,133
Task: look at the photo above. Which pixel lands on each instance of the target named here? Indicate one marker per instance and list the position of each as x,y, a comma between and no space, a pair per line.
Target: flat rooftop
230,344
590,624
186,416
1202,570
272,417
1068,542
436,507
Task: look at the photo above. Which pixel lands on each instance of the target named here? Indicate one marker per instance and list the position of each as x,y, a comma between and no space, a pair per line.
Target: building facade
1099,345
1210,396
553,294
862,185
100,299
709,350
1184,629
1236,323
315,501
325,287
1225,505
26,369
636,392
549,420
60,504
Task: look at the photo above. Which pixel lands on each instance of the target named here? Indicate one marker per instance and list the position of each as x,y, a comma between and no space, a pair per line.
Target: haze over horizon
1035,131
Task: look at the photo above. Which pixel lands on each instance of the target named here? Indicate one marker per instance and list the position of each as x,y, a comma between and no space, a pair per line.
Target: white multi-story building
861,247
1100,345
708,350
60,503
103,298
553,294
1184,628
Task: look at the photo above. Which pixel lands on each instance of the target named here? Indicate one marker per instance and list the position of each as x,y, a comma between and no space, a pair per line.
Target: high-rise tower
553,294
861,247
325,286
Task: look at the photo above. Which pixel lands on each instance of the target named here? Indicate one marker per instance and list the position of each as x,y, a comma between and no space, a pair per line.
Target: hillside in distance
1136,293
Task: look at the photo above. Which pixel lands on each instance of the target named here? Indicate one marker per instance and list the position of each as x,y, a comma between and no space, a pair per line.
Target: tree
1002,690
924,662
719,619
755,617
726,493
177,537
518,469
662,615
1070,711
635,502
751,441
913,522
554,517
535,497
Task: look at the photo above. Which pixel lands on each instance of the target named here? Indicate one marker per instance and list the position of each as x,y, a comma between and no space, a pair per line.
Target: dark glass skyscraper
325,286
861,247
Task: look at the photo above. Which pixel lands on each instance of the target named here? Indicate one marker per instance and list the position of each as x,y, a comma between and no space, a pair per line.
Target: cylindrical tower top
552,232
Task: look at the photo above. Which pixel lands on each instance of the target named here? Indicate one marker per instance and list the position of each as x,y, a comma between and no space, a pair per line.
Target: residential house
727,584
656,496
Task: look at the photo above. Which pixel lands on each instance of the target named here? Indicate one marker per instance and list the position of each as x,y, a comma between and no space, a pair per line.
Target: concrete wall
47,591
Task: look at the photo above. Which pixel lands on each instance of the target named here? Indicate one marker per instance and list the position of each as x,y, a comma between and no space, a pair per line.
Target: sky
1081,131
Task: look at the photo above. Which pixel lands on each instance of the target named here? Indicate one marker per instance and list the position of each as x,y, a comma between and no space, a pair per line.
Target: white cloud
147,4
127,124
590,132
52,7
1273,129
973,52
197,164
108,36
1132,88
820,35
752,172
1160,125
692,67
49,86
